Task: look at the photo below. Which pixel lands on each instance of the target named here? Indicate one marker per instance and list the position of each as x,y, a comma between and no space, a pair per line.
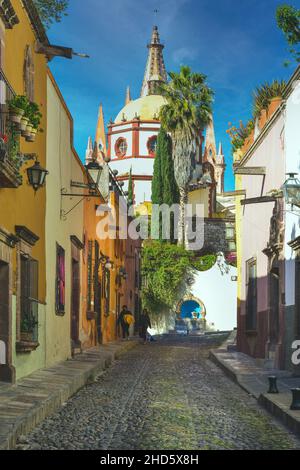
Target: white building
132,136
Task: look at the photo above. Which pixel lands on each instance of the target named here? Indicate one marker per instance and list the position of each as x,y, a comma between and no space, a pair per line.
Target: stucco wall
255,222
63,167
218,292
292,226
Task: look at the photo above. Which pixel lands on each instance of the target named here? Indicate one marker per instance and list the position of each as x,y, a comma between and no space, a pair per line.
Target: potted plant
17,107
28,326
35,116
23,125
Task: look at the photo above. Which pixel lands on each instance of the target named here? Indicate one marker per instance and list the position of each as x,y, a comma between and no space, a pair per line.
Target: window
251,296
152,145
60,280
121,147
230,233
29,298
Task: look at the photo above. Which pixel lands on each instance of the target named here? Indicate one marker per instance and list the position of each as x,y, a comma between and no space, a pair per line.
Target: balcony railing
9,140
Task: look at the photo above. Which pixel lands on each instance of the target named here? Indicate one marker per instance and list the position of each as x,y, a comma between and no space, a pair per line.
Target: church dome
146,108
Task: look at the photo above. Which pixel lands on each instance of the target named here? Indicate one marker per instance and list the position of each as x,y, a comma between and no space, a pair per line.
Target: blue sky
236,43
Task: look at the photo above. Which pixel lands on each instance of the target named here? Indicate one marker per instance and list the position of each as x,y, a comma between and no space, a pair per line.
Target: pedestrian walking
145,323
125,320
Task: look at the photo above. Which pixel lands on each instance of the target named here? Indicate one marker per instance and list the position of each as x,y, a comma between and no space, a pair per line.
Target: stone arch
186,298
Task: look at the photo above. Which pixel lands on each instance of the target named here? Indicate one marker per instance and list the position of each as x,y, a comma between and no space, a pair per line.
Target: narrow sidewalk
254,380
33,398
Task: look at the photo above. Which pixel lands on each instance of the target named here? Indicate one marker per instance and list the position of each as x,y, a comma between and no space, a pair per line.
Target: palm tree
186,113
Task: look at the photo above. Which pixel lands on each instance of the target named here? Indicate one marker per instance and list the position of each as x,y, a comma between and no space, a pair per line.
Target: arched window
121,147
152,145
29,74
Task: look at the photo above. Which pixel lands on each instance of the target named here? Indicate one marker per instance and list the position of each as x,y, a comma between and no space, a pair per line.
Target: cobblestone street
163,395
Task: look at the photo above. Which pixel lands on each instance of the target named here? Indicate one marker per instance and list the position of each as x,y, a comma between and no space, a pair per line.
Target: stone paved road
163,395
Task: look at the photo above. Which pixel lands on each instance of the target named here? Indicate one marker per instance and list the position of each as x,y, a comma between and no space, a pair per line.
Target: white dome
145,108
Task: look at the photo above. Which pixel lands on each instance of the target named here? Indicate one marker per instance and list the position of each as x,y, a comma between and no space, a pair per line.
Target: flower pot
23,124
32,136
25,336
274,104
28,130
15,114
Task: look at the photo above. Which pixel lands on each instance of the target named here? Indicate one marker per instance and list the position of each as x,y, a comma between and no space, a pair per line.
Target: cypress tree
157,184
130,188
170,188
164,186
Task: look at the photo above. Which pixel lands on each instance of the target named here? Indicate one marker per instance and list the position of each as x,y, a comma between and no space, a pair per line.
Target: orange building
111,271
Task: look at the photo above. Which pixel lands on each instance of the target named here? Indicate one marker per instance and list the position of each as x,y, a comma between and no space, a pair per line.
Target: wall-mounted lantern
36,176
291,190
94,170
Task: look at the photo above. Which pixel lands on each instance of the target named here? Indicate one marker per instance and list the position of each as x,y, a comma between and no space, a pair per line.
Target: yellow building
64,231
22,211
25,51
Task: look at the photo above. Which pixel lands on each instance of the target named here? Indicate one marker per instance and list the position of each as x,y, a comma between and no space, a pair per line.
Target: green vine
167,270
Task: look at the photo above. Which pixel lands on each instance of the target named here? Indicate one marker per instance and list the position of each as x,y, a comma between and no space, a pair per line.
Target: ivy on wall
165,270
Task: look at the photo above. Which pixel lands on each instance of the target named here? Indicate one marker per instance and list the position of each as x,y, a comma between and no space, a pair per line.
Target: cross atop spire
155,72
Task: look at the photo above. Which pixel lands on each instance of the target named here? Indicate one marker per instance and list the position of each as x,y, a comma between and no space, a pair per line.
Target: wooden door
4,316
75,301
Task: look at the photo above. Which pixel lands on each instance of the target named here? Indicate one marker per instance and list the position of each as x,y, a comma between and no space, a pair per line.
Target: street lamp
291,190
36,175
94,170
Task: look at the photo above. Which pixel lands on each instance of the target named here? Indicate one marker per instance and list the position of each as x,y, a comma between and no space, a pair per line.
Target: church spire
128,96
100,138
155,69
89,151
210,141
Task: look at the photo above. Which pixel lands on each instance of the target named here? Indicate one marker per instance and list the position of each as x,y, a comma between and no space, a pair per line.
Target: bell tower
155,72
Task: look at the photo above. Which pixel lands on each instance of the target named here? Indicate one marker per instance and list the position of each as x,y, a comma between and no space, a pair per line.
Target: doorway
75,303
274,303
4,320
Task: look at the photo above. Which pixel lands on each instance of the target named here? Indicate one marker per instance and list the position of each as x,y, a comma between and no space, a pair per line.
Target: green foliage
164,186
130,188
28,323
288,20
164,270
170,192
51,11
157,181
34,115
238,135
204,263
13,144
264,93
186,113
19,102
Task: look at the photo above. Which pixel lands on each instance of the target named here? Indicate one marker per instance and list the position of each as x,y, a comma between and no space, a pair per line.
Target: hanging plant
17,107
34,119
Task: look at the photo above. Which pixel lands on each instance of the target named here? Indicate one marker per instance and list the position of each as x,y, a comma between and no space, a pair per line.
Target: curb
276,405
80,371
